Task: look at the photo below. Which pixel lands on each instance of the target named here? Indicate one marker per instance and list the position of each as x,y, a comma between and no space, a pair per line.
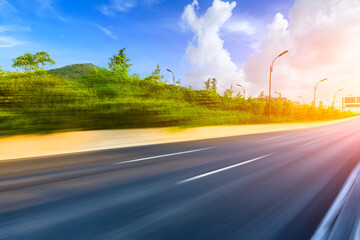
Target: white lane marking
272,138
326,224
309,143
162,156
223,169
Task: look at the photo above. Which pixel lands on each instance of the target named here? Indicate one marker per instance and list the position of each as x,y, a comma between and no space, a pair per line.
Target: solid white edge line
162,156
223,169
325,226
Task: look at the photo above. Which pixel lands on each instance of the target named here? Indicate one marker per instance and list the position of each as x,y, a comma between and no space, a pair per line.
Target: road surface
285,185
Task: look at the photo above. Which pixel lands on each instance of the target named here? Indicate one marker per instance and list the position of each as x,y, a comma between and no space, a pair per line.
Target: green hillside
74,71
38,101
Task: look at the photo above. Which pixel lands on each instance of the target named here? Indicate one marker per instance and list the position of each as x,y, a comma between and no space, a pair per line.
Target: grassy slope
50,102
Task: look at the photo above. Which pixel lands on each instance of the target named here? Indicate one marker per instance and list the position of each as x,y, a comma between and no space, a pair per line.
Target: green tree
43,58
30,62
155,75
229,92
214,85
277,106
26,61
2,73
119,63
258,105
207,84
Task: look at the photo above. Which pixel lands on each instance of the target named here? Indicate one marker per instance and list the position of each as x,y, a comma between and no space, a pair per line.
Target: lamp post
278,93
243,89
314,104
335,97
315,90
271,70
302,99
172,74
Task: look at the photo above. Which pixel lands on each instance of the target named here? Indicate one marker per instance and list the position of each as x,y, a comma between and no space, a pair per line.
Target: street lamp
302,99
271,70
335,97
172,74
315,90
243,89
314,104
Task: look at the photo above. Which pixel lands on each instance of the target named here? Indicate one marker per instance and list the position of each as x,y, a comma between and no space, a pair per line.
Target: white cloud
108,32
322,39
13,28
6,7
8,12
206,52
6,42
239,26
46,8
115,6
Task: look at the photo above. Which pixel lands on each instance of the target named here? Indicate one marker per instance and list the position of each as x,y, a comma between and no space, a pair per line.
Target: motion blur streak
283,196
343,211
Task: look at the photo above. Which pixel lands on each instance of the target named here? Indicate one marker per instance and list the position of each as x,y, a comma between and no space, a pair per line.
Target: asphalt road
283,185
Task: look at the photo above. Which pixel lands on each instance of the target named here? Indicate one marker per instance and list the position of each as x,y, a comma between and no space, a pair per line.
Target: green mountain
74,71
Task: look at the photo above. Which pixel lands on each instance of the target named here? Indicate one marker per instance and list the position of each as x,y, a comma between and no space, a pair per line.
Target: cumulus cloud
239,26
115,6
322,39
206,52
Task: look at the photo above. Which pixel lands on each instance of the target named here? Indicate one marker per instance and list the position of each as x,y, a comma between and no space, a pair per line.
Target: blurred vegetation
85,97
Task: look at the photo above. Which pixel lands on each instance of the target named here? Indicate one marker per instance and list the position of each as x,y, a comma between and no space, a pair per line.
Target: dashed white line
223,169
309,143
272,138
162,156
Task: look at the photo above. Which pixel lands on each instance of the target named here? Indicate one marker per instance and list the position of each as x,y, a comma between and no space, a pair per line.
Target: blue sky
81,31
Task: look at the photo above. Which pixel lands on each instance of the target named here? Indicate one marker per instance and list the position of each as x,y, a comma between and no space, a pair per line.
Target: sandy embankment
41,145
